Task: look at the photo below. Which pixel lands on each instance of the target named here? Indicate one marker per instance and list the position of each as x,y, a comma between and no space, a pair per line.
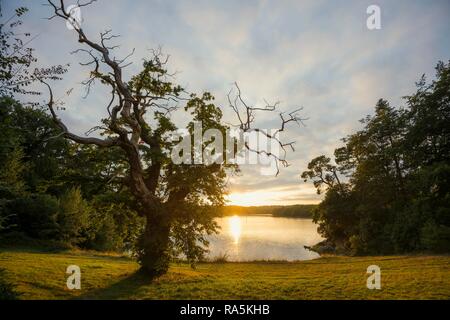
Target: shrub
102,234
73,216
36,215
435,237
113,225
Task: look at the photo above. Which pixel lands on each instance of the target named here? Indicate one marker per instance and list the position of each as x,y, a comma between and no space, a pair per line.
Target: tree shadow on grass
125,288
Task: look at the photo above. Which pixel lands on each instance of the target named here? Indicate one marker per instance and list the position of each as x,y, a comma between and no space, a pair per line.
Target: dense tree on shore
388,189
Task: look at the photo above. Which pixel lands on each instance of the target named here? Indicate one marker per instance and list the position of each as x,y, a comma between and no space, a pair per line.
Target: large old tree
175,199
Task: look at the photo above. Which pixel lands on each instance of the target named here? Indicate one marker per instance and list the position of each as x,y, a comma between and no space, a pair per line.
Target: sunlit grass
41,275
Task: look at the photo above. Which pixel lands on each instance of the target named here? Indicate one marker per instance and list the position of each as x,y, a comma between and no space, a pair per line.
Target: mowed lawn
41,275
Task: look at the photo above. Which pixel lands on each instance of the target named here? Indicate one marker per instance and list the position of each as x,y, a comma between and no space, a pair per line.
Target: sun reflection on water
247,238
235,228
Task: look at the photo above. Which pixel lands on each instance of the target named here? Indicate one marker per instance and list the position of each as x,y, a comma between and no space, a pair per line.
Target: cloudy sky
315,54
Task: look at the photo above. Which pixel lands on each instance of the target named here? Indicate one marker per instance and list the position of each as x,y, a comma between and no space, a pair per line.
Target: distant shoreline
291,211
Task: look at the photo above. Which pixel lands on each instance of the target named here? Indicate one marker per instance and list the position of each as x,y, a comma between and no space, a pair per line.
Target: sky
314,54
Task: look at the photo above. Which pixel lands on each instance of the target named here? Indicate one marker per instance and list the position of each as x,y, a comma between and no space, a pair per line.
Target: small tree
73,216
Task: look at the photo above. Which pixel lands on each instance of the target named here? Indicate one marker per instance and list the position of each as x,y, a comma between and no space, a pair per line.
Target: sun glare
274,196
249,198
235,228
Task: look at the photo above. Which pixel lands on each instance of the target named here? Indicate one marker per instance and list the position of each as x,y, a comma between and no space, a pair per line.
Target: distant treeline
293,211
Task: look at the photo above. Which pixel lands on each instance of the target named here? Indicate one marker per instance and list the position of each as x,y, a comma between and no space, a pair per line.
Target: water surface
244,238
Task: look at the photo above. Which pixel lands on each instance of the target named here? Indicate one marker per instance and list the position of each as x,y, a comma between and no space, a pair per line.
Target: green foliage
71,221
44,192
396,191
73,216
321,168
4,217
101,233
113,225
190,230
435,237
17,59
336,217
30,149
36,215
11,171
295,211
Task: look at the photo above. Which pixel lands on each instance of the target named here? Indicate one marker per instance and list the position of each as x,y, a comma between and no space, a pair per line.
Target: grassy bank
41,275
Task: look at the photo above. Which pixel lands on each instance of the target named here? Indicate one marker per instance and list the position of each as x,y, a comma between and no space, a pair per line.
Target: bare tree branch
246,117
108,142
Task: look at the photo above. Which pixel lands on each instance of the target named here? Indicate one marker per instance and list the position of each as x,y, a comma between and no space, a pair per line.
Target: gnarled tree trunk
154,251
